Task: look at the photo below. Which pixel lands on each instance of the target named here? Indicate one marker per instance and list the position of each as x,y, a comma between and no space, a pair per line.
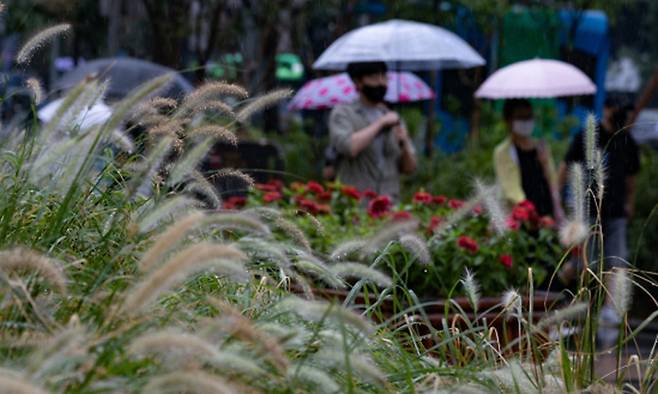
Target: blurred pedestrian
620,155
621,161
524,166
372,144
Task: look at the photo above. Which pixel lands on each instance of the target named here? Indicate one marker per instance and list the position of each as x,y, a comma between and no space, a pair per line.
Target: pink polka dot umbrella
329,91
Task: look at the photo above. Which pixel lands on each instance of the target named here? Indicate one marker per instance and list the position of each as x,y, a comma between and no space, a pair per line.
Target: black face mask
374,93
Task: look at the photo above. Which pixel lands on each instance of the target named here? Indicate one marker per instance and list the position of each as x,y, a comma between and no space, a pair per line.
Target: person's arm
408,161
359,140
629,208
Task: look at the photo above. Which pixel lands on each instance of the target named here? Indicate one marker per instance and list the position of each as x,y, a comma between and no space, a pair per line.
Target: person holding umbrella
372,144
524,166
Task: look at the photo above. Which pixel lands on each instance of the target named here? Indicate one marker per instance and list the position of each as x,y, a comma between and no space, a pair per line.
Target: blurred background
263,45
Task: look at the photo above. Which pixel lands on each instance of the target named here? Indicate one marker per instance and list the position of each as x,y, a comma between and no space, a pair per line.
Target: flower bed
457,234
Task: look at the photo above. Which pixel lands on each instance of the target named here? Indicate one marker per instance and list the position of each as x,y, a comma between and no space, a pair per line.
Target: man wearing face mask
373,146
524,166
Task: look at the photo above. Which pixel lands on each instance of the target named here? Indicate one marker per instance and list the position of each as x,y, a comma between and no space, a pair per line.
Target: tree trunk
270,40
169,22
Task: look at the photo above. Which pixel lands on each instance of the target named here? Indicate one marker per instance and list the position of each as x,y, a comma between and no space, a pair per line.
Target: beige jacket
508,173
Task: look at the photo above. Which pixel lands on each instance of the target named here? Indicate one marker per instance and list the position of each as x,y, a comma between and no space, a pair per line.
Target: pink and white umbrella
537,78
329,91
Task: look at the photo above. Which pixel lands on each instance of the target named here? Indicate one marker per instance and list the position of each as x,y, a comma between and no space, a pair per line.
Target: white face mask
523,127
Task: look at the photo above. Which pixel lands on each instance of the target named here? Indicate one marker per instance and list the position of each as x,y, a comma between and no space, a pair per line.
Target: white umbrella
95,115
537,78
404,45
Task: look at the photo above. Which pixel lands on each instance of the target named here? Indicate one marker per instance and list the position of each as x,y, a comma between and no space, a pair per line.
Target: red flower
439,200
422,198
477,210
455,204
379,206
314,187
266,187
527,204
351,192
520,213
272,196
525,211
369,194
513,224
468,243
402,215
325,196
234,202
506,260
323,208
547,222
434,223
276,183
309,206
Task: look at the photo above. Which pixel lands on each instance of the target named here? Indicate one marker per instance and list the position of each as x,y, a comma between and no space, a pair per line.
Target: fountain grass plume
258,248
122,141
149,167
169,239
166,211
195,381
210,90
34,86
599,175
319,227
497,215
233,173
237,325
347,248
219,132
200,184
215,106
314,378
39,40
591,139
293,231
127,105
418,248
230,220
622,291
179,349
570,312
472,288
164,103
221,259
456,216
363,365
183,167
13,382
513,304
578,199
320,310
359,271
262,102
21,260
573,232
66,344
320,271
163,126
389,232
